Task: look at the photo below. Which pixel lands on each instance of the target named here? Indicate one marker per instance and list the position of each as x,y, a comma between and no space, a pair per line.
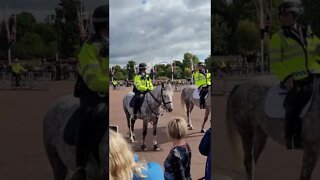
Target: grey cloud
164,31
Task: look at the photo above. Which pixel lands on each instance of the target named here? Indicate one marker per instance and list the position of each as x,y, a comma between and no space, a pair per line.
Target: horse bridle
162,103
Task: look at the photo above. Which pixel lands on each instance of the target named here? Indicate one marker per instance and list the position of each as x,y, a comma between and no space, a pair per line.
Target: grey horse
188,102
158,99
246,117
62,156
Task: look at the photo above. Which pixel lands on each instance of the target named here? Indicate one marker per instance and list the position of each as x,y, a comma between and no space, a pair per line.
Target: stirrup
80,174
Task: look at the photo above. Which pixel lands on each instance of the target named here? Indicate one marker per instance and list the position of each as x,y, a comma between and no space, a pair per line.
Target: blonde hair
177,128
121,159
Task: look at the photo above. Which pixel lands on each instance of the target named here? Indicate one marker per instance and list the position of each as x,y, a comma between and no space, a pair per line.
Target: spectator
177,163
204,148
123,164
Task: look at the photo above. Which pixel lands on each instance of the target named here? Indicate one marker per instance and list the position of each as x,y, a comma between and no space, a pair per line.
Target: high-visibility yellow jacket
17,68
288,57
94,67
143,82
202,79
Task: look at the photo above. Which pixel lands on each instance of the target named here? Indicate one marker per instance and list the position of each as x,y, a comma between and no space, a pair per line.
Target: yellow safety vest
202,79
288,57
143,84
93,67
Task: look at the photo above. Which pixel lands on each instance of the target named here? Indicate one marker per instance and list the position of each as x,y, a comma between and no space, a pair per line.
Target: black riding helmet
142,66
200,64
289,6
100,17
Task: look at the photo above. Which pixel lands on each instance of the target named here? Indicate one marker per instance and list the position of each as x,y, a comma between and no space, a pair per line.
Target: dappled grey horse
62,156
246,117
159,99
188,102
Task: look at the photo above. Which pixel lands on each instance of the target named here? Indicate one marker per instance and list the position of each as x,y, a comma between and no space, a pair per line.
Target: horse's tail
183,104
232,131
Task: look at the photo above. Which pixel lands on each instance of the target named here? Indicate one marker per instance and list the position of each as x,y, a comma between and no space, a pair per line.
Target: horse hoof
190,128
202,131
156,147
131,140
143,147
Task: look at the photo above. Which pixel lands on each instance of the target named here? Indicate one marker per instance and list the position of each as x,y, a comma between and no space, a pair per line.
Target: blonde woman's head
121,159
177,128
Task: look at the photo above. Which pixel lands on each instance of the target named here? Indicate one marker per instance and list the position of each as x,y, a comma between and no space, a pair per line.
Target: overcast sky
41,8
154,31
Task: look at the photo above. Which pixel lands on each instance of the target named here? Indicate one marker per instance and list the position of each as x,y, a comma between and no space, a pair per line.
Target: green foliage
67,21
247,35
130,69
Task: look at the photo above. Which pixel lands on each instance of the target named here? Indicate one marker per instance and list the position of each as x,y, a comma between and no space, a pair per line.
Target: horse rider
202,80
141,85
17,71
92,86
114,84
294,54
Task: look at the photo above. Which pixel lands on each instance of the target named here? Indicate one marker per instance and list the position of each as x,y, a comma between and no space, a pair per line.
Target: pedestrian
178,162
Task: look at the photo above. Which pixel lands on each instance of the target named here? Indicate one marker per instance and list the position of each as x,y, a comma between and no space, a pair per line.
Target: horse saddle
72,128
136,100
196,94
97,125
274,103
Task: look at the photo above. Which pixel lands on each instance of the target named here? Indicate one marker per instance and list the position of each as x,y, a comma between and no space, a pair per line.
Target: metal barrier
29,81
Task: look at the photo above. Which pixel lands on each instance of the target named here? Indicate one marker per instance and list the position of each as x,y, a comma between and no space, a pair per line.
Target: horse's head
166,96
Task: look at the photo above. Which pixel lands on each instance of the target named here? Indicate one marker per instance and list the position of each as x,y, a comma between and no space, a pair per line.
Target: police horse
189,98
252,116
155,101
60,144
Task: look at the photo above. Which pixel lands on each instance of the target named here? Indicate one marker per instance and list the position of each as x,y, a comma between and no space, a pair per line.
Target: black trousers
91,129
17,78
294,102
203,93
138,101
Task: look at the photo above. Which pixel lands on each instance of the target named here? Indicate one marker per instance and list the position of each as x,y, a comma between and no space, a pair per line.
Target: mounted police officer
92,88
142,85
294,55
202,80
17,71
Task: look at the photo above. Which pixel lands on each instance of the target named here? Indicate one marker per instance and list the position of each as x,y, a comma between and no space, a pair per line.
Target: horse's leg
156,146
310,157
260,140
144,133
132,128
59,169
206,115
129,122
189,110
247,142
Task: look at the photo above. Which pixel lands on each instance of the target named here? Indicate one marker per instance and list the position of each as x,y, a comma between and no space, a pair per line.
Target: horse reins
162,103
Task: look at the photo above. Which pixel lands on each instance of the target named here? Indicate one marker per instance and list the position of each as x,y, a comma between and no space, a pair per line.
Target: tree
219,35
30,46
130,69
26,22
187,73
209,63
248,37
187,58
67,27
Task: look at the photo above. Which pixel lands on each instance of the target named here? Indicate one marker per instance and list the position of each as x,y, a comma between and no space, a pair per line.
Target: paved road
117,117
22,155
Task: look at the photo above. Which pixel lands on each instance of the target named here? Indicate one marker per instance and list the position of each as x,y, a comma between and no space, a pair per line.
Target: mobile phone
114,128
